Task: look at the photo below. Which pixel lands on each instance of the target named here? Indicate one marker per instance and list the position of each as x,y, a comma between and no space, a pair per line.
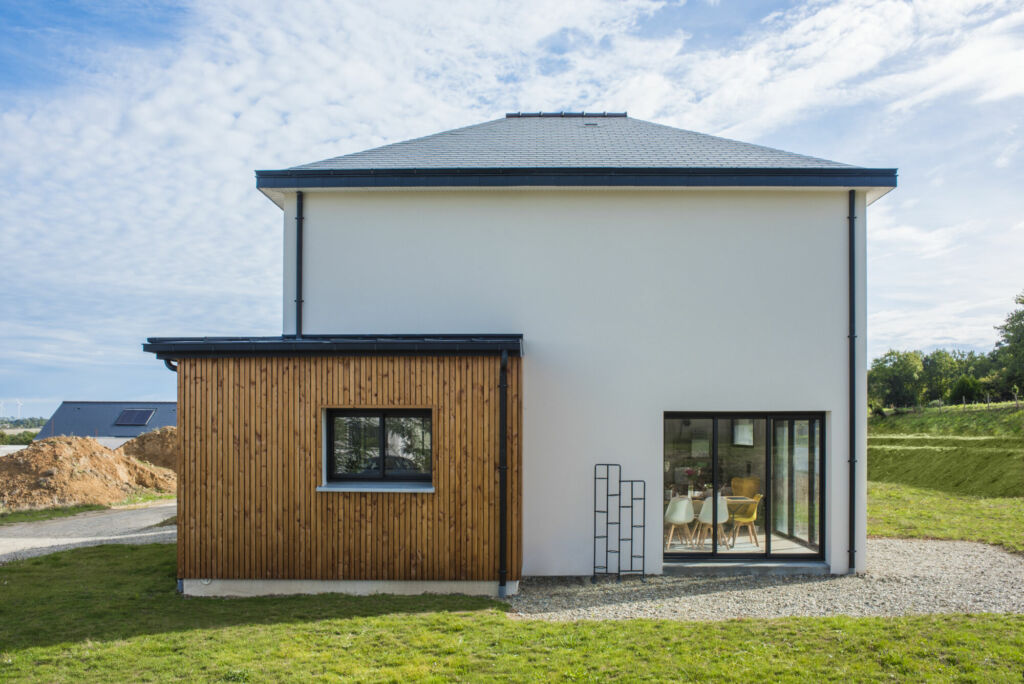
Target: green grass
978,466
897,510
46,513
111,614
35,515
146,497
948,475
1004,420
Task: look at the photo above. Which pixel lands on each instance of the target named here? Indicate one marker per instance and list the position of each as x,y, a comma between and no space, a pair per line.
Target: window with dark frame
392,445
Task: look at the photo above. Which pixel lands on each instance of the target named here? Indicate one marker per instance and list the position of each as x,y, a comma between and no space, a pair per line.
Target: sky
129,132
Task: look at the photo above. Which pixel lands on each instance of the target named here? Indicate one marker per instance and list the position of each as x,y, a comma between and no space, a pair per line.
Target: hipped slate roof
572,149
551,142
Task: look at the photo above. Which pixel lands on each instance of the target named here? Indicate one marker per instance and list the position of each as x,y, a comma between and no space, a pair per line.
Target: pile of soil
67,471
159,447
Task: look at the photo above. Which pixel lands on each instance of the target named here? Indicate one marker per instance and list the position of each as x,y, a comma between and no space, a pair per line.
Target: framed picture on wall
743,432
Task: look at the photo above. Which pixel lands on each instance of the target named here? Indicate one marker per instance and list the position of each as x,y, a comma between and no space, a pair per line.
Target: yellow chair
746,486
745,516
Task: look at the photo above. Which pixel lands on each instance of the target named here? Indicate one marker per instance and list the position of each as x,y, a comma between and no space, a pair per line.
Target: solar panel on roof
134,416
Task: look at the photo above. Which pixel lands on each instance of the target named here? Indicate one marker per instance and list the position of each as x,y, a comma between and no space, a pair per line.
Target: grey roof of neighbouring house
571,149
574,141
97,419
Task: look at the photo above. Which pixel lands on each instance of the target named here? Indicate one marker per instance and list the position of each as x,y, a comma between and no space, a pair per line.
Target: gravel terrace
130,525
904,577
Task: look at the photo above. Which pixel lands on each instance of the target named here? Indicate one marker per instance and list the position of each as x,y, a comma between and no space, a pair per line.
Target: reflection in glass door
742,485
740,462
795,490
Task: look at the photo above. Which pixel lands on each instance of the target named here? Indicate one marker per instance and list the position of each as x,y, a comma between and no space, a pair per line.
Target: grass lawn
898,510
110,613
950,474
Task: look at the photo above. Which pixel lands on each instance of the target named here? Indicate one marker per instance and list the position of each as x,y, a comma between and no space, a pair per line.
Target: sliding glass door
795,489
743,485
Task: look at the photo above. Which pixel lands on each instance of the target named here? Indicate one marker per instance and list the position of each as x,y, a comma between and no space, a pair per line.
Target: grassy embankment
111,614
948,474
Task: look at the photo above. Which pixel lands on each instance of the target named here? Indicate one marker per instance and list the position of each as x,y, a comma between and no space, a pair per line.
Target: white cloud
128,201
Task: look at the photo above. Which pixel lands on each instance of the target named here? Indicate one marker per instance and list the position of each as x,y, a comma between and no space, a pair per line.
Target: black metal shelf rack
620,514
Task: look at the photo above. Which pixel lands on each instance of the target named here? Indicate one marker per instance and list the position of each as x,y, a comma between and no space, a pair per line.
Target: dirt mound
66,471
159,447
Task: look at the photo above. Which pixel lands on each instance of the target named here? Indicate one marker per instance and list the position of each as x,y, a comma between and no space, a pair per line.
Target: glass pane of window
408,446
356,446
741,478
796,453
687,485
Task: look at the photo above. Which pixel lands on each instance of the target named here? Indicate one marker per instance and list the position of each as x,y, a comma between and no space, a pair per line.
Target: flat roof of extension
564,149
192,347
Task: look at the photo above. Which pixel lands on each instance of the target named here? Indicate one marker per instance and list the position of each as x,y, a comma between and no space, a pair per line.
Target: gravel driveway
118,526
904,577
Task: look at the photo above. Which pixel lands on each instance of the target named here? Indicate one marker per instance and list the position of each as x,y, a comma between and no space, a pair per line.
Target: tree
897,378
966,389
940,372
1010,346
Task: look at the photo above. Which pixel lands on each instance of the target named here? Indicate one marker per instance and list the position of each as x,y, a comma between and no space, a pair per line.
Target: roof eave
341,345
269,181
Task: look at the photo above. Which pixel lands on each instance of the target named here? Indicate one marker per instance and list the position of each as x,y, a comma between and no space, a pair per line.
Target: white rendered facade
632,302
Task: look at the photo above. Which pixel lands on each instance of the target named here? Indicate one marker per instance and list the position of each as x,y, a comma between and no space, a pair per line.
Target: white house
689,308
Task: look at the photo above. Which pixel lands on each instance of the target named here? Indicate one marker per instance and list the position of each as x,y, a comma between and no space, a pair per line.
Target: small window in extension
378,445
135,417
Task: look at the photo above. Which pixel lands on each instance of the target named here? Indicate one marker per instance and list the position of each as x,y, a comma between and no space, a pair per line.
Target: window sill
413,487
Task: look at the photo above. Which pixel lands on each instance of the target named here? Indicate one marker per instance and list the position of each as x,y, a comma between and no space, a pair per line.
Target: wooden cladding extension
251,435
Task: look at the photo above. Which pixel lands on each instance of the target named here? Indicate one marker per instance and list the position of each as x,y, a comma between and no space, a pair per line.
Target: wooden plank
250,449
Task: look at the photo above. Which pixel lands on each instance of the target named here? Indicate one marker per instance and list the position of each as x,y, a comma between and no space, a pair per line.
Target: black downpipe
171,365
298,264
502,475
851,218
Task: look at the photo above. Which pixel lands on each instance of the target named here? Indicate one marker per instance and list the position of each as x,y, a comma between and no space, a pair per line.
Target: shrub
936,403
967,389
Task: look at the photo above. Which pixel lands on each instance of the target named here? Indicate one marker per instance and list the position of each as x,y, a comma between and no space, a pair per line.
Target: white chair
679,514
704,523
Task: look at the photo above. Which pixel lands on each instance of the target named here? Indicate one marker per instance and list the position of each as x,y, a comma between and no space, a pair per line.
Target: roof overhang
332,345
877,181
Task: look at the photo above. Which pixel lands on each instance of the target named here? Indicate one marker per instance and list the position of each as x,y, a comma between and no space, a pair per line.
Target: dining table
732,503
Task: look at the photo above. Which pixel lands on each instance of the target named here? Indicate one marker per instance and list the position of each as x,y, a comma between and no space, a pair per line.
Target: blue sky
129,132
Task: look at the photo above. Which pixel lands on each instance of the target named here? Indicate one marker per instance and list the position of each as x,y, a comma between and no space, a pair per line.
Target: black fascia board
191,347
567,177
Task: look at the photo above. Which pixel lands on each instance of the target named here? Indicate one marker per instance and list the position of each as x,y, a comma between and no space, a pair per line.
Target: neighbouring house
550,344
111,423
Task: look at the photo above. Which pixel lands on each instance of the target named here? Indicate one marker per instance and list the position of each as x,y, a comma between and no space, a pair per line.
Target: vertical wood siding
251,436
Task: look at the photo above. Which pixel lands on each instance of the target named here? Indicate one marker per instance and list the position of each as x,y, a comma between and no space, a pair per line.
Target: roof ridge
563,115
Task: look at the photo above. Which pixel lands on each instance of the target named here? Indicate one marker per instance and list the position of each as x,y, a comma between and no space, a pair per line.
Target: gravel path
904,577
133,525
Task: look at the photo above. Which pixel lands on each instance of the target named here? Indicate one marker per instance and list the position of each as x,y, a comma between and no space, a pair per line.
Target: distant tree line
34,422
912,378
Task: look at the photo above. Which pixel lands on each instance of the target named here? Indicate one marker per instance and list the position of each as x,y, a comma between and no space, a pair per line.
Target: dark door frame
817,468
